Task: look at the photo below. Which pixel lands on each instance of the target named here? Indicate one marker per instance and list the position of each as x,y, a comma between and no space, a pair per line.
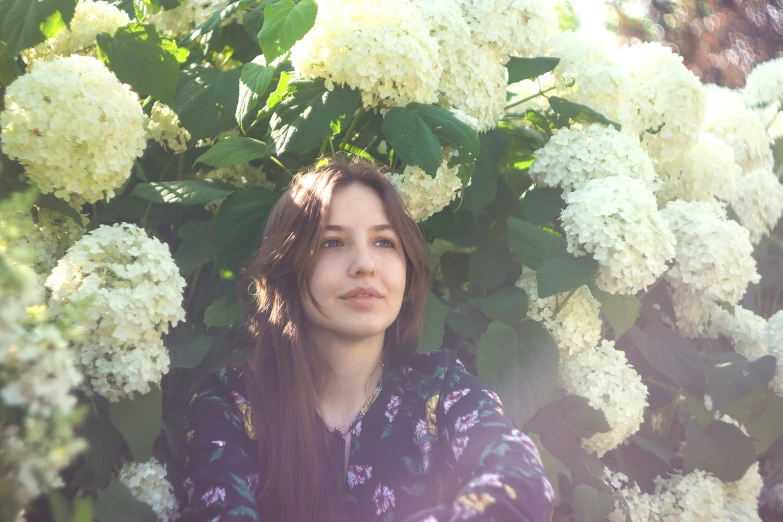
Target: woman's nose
362,262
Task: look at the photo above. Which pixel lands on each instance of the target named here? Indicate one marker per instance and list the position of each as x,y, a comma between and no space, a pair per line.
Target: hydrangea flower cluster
707,171
758,202
187,15
240,175
694,497
164,127
74,126
388,54
590,64
669,99
136,292
604,377
746,331
577,325
512,27
731,120
39,371
90,19
572,157
702,260
617,220
764,85
424,195
692,309
480,96
148,483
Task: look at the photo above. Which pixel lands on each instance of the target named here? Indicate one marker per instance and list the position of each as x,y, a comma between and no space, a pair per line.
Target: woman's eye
330,243
388,243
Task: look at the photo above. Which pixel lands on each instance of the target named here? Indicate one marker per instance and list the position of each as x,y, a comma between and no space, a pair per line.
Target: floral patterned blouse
434,446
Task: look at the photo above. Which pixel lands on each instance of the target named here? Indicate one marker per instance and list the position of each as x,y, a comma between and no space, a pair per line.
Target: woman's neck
355,368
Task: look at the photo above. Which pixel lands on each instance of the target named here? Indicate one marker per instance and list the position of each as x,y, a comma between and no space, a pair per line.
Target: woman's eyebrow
375,228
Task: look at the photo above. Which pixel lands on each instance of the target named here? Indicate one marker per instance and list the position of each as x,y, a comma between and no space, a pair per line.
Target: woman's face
359,276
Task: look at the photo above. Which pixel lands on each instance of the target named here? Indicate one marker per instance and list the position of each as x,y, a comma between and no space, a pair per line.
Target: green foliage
106,443
222,312
190,192
412,140
238,225
591,505
509,304
304,118
138,420
253,84
520,364
284,24
434,321
139,56
22,21
206,100
9,69
620,310
529,68
233,150
578,112
720,448
116,503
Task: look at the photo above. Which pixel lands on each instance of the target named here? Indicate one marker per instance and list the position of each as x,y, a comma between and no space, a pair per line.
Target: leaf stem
192,291
347,137
523,100
561,305
277,161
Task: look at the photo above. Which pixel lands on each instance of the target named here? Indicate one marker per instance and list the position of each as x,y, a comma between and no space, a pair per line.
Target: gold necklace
343,430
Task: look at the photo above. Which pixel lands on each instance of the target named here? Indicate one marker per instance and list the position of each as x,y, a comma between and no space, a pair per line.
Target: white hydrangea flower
764,85
758,202
702,260
424,195
588,61
186,16
137,293
74,126
574,156
383,50
148,483
700,496
692,309
774,339
617,220
604,377
668,97
747,489
512,27
746,331
705,172
732,121
164,127
90,19
577,326
473,80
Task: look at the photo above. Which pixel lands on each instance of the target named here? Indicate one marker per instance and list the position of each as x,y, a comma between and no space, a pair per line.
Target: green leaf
548,463
532,245
116,503
140,57
767,426
66,8
222,313
582,418
468,322
58,506
238,225
22,21
578,112
528,68
233,150
105,444
253,83
542,205
188,192
284,24
484,181
730,376
187,348
720,448
434,325
206,100
620,310
138,420
490,264
52,202
280,91
9,69
82,510
564,273
591,505
452,131
521,365
412,140
303,119
672,355
196,246
509,304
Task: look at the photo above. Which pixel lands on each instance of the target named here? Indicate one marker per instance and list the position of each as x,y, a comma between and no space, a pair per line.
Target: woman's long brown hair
285,376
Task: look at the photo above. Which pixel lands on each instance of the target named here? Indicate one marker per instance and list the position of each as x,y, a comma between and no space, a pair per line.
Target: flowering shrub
601,204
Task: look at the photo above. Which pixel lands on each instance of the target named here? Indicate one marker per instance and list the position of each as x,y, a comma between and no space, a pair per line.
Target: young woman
335,417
